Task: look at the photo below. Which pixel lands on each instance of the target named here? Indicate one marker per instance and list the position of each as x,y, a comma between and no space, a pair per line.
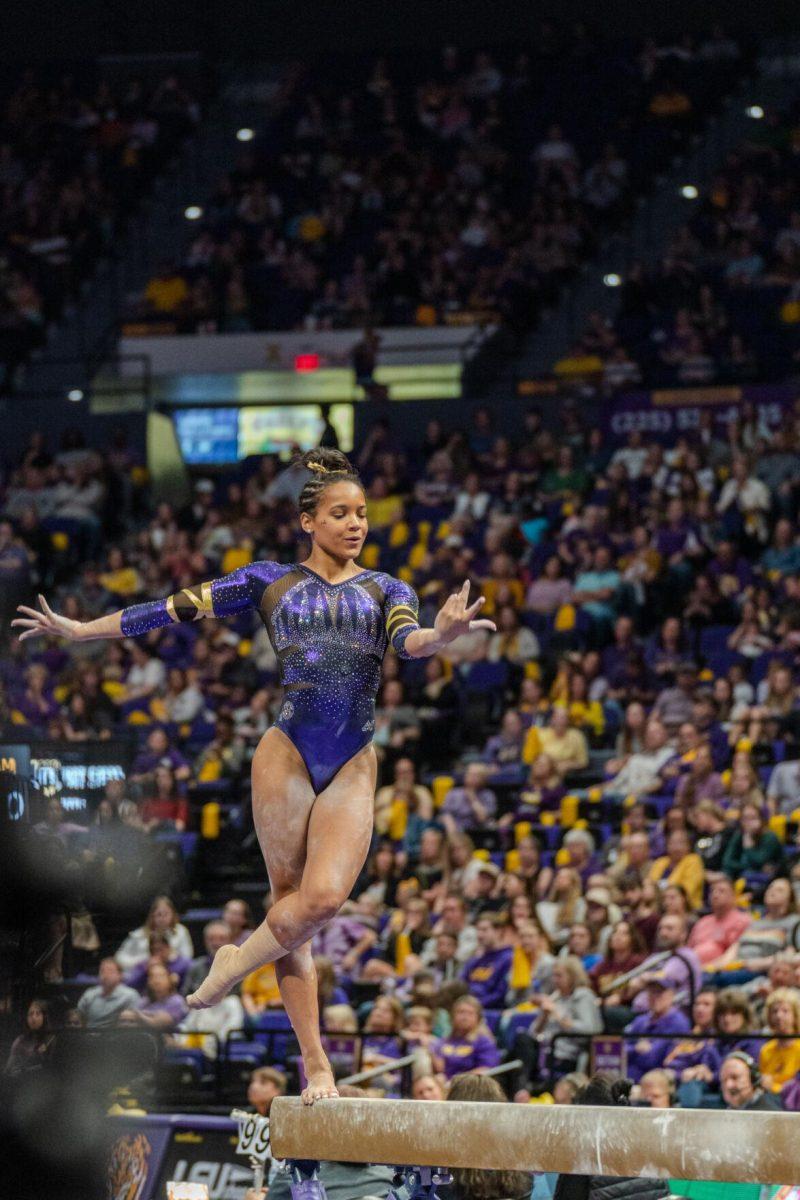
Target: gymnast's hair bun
326,461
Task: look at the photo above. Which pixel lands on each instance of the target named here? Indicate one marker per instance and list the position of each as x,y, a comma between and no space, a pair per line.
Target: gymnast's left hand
46,623
455,617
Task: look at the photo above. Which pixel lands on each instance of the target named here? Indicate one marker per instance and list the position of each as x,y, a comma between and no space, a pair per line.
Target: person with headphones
740,1081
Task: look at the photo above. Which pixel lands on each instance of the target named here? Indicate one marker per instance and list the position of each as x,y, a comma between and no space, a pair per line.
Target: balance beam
732,1147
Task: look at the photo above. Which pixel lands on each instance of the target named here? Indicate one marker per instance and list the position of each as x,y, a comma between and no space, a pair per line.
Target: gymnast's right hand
46,623
455,617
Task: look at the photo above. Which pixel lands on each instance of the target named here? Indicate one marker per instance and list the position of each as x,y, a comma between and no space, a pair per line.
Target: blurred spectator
101,1005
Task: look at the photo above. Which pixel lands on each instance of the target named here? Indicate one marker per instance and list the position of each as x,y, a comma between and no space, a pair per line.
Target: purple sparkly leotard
330,639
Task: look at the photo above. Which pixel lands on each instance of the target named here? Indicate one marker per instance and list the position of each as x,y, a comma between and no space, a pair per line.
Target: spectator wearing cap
715,933
681,865
487,973
740,1084
479,889
645,1049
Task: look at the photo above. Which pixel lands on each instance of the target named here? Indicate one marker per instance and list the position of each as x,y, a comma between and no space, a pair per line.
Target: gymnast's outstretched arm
223,597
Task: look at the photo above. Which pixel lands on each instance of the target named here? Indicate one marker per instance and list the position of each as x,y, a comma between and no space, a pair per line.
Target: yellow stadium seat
443,530
532,670
61,693
629,801
777,824
562,858
237,556
59,540
547,818
137,717
481,855
440,787
244,648
521,830
795,815
569,810
158,709
581,823
398,820
406,574
370,556
399,535
594,795
113,689
512,861
424,530
565,619
417,556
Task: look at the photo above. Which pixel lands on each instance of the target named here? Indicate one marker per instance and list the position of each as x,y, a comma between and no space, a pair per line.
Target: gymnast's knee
321,903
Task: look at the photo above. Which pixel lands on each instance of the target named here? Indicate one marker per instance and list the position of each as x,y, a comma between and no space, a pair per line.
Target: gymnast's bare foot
219,981
321,1085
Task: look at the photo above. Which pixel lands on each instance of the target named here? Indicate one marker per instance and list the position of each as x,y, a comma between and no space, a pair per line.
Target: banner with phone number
668,413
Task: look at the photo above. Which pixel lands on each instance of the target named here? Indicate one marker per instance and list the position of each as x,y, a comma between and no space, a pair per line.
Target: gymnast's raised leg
314,849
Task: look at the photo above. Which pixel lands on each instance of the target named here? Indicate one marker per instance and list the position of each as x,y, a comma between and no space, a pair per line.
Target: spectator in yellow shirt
260,991
383,509
680,865
780,1059
565,746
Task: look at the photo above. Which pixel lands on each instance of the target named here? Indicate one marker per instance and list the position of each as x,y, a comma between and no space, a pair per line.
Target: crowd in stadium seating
76,152
404,191
724,302
610,780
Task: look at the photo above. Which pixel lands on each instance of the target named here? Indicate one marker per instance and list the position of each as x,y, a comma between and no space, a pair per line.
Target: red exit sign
306,362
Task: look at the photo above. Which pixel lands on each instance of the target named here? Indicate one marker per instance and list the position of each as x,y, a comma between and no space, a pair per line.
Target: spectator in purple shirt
682,969
486,975
470,806
343,940
470,1047
55,826
160,952
155,750
731,572
505,748
162,1008
625,643
645,1050
36,702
